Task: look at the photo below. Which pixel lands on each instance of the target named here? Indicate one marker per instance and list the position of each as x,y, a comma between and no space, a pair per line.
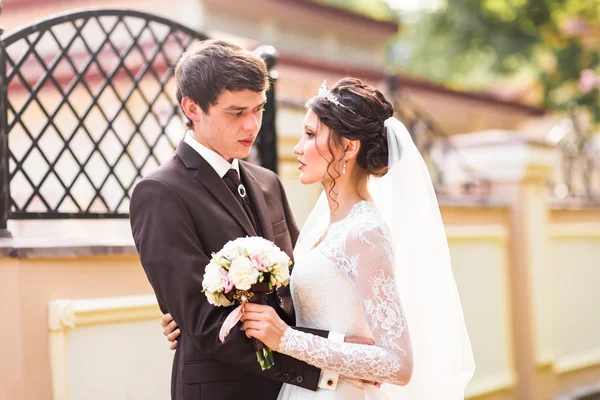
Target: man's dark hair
212,66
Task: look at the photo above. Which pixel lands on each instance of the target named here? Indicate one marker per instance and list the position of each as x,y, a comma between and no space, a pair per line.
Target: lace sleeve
366,258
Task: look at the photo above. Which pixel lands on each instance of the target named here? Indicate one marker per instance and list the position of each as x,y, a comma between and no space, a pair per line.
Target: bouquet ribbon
230,321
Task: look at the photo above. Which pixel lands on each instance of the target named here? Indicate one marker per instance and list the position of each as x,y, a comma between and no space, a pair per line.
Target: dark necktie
234,183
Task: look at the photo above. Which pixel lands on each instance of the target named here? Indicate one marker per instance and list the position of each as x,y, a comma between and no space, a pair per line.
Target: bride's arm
368,261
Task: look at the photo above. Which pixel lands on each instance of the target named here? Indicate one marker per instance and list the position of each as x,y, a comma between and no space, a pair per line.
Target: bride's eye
309,134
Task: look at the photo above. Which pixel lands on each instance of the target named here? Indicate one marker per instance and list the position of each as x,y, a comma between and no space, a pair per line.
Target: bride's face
313,151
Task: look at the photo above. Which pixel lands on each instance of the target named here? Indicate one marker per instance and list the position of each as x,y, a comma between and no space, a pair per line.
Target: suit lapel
257,197
208,177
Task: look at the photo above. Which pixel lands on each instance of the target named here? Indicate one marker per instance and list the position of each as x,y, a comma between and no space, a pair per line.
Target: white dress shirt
328,378
219,164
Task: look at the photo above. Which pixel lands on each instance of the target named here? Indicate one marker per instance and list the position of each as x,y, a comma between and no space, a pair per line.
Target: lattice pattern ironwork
88,100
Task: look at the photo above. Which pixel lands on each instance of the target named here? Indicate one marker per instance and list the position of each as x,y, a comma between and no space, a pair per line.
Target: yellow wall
27,286
477,238
574,237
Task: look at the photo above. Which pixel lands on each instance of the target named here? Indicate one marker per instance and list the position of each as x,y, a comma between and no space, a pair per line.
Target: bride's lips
248,142
301,164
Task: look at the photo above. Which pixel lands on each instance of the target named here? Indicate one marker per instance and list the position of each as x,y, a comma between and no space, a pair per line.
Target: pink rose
227,285
258,262
587,81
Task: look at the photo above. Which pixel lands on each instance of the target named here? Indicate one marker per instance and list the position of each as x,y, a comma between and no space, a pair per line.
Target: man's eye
239,114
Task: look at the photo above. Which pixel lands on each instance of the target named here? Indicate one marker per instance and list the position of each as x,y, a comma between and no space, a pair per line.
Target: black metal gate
87,108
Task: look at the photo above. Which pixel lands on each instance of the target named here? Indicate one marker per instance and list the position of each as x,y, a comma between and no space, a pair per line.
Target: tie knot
234,176
233,181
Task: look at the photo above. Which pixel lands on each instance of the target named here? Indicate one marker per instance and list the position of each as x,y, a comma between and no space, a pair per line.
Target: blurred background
501,96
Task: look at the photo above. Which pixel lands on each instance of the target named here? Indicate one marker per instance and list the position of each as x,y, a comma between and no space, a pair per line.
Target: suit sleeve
174,259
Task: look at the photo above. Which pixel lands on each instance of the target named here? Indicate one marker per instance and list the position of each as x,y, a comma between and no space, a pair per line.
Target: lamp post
4,181
267,137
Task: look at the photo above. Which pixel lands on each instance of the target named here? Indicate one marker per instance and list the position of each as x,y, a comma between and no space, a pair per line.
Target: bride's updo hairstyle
359,116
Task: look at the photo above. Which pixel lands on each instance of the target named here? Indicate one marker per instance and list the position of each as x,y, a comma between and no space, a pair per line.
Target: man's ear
191,109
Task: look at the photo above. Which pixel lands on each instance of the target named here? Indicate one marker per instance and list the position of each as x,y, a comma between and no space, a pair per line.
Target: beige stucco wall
478,240
575,269
26,288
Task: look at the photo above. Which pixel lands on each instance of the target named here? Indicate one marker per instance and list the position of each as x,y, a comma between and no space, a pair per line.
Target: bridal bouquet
245,270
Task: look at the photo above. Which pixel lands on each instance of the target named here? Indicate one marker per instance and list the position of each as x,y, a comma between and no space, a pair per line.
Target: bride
372,261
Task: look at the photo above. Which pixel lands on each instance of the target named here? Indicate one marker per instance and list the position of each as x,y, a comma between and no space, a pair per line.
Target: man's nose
252,123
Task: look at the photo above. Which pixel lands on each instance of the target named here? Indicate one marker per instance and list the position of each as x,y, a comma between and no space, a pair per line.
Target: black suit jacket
182,213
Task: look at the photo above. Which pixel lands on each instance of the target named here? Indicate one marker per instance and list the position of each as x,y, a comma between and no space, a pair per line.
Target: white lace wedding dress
346,284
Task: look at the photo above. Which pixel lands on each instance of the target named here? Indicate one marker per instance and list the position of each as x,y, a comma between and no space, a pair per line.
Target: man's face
231,125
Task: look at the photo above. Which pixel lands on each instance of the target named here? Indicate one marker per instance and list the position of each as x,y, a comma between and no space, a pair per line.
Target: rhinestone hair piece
326,93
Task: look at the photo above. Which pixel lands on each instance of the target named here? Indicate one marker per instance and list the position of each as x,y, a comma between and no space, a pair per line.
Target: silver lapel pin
242,191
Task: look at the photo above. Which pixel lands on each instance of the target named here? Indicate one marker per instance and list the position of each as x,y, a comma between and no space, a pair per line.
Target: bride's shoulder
365,217
364,226
363,233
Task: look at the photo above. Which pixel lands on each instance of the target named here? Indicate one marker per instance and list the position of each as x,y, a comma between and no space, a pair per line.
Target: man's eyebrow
234,107
240,108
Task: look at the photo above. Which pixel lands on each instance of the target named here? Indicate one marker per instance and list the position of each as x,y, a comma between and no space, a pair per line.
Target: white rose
257,245
231,250
242,273
275,256
280,274
268,258
213,280
217,299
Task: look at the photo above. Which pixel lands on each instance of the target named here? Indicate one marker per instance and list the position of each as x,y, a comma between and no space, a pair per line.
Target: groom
203,197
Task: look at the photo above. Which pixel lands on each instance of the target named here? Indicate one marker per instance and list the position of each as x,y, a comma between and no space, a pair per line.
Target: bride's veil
443,358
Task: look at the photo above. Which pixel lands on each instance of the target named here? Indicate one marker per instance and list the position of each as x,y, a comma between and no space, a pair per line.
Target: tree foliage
474,42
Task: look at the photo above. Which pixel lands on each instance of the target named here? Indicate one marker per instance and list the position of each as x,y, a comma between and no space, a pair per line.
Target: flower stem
265,358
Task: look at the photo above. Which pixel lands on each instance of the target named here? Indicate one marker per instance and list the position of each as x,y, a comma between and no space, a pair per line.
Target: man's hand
356,340
362,340
170,330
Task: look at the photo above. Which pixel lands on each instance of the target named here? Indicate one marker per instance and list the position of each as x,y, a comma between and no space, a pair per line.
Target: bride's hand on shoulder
170,330
262,322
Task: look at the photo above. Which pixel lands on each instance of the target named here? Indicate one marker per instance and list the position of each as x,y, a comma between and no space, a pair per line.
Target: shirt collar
219,164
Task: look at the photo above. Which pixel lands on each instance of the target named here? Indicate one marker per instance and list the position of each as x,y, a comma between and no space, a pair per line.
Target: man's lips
247,142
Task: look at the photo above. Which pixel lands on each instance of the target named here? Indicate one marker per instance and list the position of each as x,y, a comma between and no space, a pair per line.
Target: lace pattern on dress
360,245
351,360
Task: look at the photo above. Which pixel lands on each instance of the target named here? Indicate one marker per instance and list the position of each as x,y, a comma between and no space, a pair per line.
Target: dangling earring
345,163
